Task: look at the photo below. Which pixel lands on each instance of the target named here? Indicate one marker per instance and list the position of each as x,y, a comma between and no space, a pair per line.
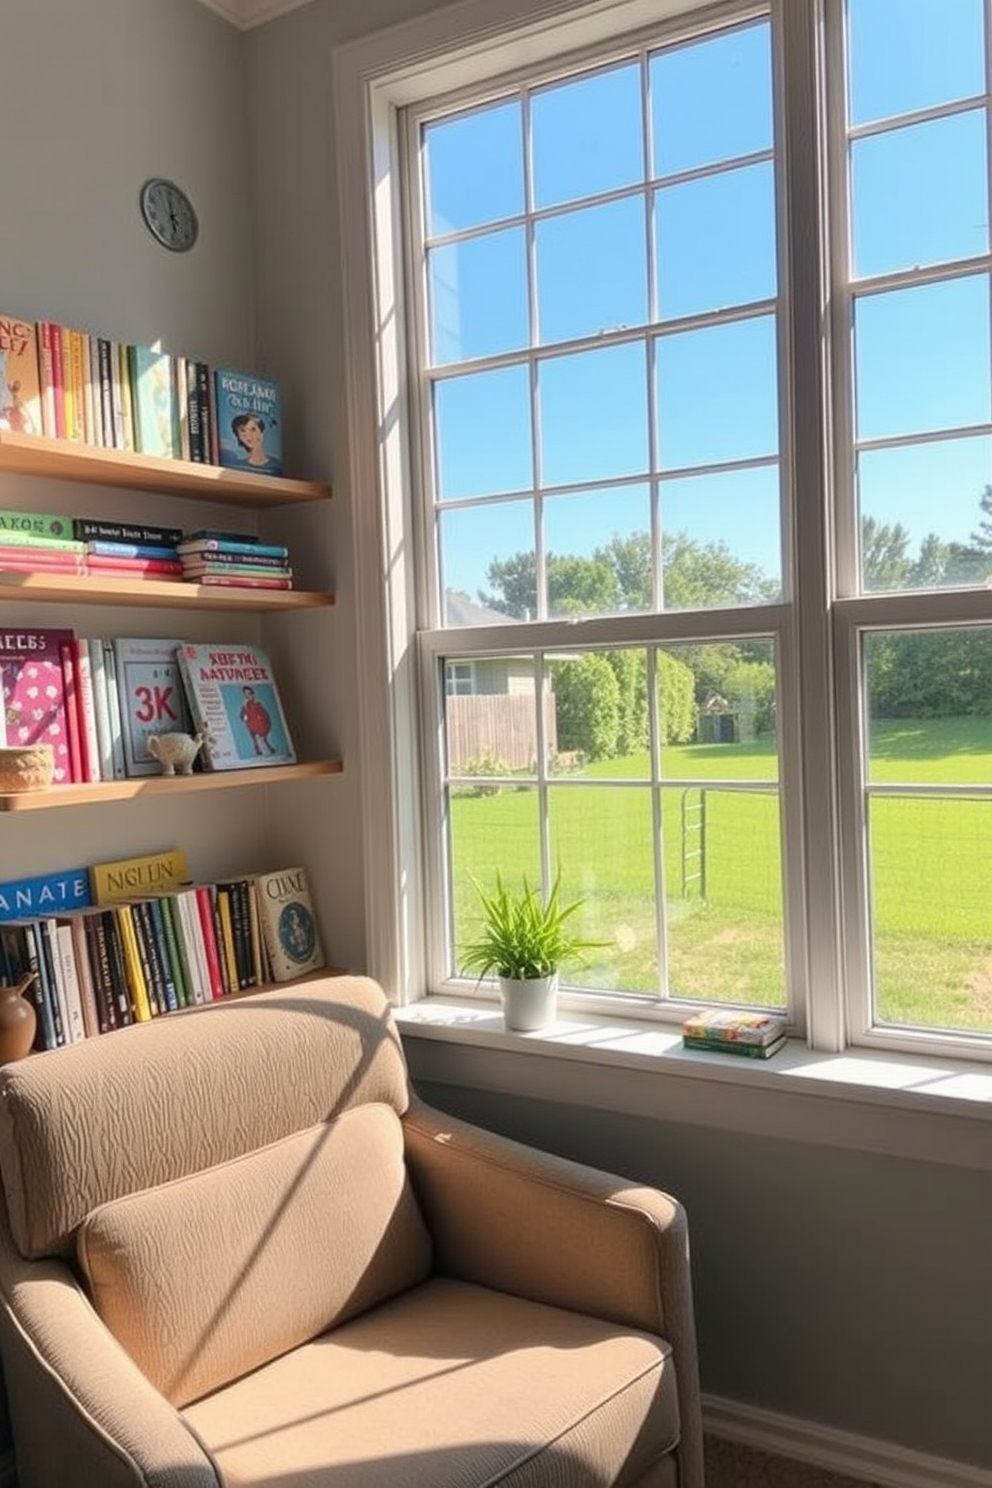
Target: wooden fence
497,724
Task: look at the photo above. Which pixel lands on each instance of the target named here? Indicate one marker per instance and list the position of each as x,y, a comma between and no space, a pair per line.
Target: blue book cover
249,423
48,893
129,550
156,422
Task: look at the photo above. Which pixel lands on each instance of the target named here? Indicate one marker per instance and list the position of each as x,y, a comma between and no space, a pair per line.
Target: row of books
47,542
128,958
98,701
68,384
726,1031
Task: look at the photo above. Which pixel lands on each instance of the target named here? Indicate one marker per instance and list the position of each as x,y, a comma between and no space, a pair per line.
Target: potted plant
523,941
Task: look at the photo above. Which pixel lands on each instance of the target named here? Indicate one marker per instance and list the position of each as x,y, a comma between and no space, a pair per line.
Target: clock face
169,214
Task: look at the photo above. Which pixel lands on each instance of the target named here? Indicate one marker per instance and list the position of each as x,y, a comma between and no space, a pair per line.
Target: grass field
931,867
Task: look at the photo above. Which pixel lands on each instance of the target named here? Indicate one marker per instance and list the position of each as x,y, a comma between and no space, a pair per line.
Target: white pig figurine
175,751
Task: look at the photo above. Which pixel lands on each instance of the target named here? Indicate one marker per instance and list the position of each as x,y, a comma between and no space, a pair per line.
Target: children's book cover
34,698
249,422
20,385
289,924
234,699
151,697
154,399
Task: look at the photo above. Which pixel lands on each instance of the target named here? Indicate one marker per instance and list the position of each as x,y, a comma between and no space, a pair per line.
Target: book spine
101,706
736,1049
175,942
186,900
88,529
46,376
161,958
140,998
156,567
232,547
72,991
58,377
94,414
71,711
106,393
103,986
204,904
49,958
120,984
151,968
39,988
255,932
86,704
107,548
114,712
119,382
230,959
76,381
84,972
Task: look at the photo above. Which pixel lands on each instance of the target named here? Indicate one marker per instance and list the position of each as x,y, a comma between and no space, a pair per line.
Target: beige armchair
235,1250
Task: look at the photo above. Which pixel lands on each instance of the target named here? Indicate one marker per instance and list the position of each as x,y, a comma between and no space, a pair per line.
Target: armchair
236,1251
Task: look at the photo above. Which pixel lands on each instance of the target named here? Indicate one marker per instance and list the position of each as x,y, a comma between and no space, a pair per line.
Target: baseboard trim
880,1462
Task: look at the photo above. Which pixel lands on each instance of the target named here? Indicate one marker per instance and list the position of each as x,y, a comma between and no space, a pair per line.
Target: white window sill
912,1106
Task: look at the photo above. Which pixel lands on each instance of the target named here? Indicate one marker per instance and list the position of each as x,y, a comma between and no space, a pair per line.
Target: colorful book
201,543
20,377
234,701
152,568
204,905
151,695
114,709
288,923
67,657
34,700
90,529
86,708
231,581
134,969
242,568
134,878
126,1013
101,707
249,422
185,903
152,552
72,992
40,560
731,1026
84,972
734,1047
16,525
154,401
45,893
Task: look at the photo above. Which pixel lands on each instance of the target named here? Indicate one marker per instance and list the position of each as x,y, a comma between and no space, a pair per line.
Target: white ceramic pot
529,1004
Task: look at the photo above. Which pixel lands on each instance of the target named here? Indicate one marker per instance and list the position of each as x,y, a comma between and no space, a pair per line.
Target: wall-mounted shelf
58,459
103,791
58,588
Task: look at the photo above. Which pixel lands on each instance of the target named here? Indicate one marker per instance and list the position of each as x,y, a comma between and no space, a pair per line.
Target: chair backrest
113,1115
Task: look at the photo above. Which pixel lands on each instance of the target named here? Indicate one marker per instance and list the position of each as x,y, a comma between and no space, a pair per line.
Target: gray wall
837,1286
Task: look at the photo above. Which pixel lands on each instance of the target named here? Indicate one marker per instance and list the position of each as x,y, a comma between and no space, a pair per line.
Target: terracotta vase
18,1021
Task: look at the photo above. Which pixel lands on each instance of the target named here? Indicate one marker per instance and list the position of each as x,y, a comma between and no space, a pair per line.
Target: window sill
931,1109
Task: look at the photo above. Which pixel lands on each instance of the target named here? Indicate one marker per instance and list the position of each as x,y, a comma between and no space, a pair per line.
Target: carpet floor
731,1466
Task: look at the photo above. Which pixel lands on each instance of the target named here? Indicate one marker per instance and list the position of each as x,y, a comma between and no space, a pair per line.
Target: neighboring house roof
460,610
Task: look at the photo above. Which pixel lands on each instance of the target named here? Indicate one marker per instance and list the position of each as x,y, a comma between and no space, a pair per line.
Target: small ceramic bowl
26,768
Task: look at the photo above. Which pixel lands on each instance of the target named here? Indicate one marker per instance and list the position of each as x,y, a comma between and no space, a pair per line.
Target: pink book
34,691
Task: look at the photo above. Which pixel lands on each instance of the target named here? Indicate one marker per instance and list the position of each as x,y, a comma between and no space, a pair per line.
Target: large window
700,453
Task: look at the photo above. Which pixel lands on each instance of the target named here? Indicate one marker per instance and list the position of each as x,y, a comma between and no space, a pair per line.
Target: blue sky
919,197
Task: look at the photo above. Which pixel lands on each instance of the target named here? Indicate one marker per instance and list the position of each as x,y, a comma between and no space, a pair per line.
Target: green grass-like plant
523,936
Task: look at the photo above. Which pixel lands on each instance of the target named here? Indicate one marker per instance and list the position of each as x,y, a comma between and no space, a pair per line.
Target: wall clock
168,214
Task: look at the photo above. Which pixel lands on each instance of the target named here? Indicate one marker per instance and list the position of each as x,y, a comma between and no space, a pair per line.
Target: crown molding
246,14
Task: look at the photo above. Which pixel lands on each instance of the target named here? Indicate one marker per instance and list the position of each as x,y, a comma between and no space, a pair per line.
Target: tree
885,561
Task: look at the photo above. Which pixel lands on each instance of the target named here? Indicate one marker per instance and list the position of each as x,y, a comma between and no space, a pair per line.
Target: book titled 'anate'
234,700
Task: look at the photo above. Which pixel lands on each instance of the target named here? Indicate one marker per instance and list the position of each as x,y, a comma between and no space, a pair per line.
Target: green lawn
931,868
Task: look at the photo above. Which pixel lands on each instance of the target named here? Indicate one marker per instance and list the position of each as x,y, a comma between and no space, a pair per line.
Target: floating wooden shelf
58,459
159,785
158,594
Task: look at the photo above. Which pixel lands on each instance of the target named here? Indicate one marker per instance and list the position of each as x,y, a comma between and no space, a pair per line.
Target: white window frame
460,48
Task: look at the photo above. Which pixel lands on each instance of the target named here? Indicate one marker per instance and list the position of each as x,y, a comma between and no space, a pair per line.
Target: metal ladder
694,840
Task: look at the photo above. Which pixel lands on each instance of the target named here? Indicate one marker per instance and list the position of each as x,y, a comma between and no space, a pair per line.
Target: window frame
447,53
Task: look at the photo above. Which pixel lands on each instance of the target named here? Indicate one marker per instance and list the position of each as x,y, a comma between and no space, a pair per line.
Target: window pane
478,296
493,827
922,358
487,563
587,136
920,53
483,434
592,271
927,695
599,551
716,241
602,836
601,712
720,539
711,100
919,195
474,168
723,892
594,419
717,394
926,514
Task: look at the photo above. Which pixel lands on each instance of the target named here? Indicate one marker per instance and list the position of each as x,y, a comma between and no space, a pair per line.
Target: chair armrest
81,1410
511,1217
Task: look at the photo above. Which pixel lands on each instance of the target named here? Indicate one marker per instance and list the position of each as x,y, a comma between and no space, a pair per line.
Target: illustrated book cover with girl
234,699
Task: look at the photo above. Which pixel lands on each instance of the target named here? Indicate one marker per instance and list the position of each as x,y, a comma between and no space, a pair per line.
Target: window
695,469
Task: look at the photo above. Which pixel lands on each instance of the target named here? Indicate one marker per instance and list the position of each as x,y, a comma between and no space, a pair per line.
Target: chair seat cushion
207,1277
449,1386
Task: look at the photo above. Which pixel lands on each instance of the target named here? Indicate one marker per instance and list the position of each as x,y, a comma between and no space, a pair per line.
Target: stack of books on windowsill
748,1035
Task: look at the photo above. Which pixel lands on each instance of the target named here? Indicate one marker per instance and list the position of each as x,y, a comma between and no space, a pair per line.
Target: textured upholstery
312,1281
455,1384
271,1285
